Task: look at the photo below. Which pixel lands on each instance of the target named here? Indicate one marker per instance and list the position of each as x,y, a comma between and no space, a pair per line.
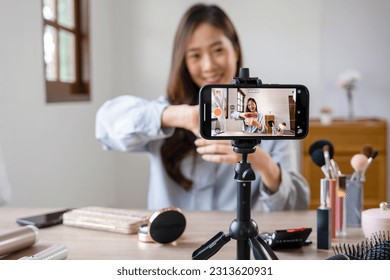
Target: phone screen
43,220
268,111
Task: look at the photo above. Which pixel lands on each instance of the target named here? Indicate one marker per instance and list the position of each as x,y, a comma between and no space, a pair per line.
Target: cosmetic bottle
341,219
332,203
324,218
18,239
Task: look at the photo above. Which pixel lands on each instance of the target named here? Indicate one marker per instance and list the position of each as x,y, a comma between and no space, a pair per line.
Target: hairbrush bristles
377,247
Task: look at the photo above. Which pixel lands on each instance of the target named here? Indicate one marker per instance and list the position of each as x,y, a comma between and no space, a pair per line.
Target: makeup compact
164,226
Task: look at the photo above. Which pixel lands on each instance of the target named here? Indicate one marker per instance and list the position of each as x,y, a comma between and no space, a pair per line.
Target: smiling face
210,56
252,106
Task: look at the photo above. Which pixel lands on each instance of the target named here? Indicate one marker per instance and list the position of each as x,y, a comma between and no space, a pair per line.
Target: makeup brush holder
354,202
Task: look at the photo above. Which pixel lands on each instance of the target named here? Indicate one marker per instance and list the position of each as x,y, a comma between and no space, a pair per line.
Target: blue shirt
132,124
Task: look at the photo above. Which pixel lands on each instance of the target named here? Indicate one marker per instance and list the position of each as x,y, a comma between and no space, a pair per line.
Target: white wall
51,155
50,152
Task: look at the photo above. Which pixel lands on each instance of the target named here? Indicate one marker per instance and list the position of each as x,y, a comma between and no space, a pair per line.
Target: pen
54,252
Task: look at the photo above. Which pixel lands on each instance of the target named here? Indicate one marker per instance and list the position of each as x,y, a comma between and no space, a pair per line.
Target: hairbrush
377,247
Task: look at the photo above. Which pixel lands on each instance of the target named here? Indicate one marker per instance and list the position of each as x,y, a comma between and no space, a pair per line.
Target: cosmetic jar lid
383,212
167,225
164,226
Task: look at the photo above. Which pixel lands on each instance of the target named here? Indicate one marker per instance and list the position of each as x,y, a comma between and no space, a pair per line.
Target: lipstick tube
18,239
332,185
340,207
324,218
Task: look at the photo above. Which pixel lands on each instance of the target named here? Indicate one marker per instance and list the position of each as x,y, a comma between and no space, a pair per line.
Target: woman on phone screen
253,120
187,171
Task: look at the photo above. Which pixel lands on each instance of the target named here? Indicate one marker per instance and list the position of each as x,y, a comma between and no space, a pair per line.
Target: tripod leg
243,250
211,247
261,250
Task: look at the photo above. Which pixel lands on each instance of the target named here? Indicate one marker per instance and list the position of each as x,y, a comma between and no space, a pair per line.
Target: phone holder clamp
245,80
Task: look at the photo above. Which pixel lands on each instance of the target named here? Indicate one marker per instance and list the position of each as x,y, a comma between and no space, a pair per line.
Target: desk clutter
77,243
163,226
26,237
341,195
106,219
375,247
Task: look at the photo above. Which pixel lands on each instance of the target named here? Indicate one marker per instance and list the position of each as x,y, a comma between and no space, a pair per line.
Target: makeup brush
318,147
367,150
370,159
358,162
327,158
282,126
318,158
319,144
335,167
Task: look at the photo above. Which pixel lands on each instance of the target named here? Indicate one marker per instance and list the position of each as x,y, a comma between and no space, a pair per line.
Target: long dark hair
182,90
247,107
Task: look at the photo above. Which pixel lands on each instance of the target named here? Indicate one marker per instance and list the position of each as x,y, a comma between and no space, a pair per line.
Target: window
240,100
66,50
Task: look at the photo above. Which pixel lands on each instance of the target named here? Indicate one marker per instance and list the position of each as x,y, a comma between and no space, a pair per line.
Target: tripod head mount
245,146
245,80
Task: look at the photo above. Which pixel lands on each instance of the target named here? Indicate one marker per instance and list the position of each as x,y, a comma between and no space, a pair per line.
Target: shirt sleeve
261,120
293,194
236,115
129,123
294,191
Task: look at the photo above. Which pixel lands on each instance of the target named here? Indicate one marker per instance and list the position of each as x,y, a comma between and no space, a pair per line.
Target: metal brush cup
354,202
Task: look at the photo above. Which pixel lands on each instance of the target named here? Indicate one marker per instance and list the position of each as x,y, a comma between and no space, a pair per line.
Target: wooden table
85,244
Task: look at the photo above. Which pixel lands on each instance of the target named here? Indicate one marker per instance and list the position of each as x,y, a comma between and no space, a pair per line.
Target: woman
253,120
186,171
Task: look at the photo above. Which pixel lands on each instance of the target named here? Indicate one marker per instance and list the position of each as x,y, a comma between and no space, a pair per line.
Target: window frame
79,90
240,101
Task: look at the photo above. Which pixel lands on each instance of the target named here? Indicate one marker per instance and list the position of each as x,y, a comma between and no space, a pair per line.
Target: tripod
243,228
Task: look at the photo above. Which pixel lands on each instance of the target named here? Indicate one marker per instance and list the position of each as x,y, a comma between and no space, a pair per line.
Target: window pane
66,13
67,56
48,10
49,48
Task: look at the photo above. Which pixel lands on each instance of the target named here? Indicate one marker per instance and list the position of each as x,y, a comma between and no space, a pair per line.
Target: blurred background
48,153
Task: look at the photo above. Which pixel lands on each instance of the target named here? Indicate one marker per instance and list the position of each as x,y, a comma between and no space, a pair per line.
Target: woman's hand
182,116
219,151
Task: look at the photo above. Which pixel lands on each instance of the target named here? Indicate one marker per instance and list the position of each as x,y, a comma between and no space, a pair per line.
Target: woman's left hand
219,151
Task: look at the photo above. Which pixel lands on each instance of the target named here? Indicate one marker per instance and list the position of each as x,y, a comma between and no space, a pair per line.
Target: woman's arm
282,187
129,123
221,151
183,116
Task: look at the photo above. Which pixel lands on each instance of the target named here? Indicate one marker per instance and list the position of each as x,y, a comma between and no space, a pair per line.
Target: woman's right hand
182,116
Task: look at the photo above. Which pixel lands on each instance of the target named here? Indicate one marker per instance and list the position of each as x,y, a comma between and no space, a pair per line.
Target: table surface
87,244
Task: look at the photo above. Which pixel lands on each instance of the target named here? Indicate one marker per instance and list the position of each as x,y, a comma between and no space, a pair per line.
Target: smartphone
43,220
255,112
